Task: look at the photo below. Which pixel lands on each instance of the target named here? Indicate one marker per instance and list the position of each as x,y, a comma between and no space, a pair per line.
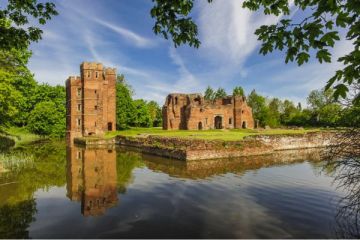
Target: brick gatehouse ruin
192,111
91,101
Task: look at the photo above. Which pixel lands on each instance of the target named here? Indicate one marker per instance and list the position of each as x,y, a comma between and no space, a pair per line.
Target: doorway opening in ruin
109,126
200,125
218,122
244,124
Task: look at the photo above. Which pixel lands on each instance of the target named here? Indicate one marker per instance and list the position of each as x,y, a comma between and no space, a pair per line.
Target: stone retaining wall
196,149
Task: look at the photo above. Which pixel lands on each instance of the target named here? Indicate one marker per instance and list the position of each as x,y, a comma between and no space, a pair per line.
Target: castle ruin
193,112
91,101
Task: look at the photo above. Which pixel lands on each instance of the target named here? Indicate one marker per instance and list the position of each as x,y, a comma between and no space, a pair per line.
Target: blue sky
119,34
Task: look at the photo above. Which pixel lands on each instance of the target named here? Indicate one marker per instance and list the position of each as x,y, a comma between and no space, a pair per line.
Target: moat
49,190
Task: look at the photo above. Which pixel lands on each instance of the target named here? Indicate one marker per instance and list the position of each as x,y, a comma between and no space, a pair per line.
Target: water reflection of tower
91,179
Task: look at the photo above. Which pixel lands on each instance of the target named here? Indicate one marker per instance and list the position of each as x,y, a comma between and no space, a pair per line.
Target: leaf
302,57
323,55
340,90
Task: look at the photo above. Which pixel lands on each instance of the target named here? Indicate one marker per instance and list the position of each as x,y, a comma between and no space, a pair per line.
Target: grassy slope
22,135
230,135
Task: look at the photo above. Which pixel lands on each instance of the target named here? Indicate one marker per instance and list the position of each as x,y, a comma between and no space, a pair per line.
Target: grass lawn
229,135
22,135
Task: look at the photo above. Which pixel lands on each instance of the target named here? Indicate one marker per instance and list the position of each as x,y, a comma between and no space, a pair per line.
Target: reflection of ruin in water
91,179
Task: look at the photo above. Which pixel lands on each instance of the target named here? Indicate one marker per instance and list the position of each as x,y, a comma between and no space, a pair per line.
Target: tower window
96,107
95,92
79,122
79,107
79,92
96,74
230,120
79,156
88,74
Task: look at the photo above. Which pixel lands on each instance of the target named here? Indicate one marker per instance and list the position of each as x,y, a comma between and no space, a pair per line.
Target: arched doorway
243,124
218,122
200,125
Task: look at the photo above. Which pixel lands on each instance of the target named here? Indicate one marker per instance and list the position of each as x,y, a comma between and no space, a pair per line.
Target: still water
49,190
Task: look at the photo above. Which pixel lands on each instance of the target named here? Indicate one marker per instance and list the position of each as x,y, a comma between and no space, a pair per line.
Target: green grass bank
224,134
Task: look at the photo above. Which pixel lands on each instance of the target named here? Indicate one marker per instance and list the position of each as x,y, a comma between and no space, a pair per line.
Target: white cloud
227,31
127,34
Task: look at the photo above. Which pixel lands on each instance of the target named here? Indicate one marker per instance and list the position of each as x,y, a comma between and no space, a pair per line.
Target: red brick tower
91,101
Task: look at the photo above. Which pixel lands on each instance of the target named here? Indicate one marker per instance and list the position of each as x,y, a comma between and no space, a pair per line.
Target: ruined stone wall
193,112
243,117
205,116
174,116
197,149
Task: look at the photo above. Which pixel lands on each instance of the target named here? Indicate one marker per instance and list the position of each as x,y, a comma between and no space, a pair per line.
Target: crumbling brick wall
192,111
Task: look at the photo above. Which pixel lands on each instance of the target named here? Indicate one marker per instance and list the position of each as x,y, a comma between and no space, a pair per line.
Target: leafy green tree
16,85
142,115
302,118
319,98
10,98
220,93
47,119
324,107
317,32
124,107
273,113
16,33
289,112
350,116
329,115
209,93
259,108
238,91
155,113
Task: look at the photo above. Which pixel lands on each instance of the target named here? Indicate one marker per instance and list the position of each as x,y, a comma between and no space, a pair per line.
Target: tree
124,107
209,93
142,115
220,93
259,108
316,32
16,84
10,98
324,107
289,112
47,119
273,113
15,32
238,91
155,113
